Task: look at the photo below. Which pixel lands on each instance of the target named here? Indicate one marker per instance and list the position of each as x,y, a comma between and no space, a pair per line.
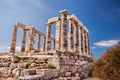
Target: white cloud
93,47
107,43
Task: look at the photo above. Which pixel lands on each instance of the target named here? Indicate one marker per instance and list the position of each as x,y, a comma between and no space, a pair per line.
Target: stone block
28,72
67,74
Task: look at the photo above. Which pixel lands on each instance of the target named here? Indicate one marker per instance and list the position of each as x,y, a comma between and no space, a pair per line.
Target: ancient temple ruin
69,59
71,35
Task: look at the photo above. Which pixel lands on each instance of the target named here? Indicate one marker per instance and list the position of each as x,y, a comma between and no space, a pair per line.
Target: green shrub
50,66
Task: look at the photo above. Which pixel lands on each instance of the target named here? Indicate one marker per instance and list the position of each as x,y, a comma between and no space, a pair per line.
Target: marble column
77,39
54,44
13,45
79,30
48,38
31,39
44,43
38,44
23,41
87,44
82,42
71,36
64,38
58,30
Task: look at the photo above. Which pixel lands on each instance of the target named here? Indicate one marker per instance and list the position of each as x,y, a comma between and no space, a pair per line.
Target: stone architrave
64,38
23,41
13,45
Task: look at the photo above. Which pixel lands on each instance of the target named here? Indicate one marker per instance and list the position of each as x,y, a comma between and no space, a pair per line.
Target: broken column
64,42
48,38
13,45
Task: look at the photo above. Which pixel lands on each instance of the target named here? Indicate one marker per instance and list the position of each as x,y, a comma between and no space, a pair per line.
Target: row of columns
31,41
76,40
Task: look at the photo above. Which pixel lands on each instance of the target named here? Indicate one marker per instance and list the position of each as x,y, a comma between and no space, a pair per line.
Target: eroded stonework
70,56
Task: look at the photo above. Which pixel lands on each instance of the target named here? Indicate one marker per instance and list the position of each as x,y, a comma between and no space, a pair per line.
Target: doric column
38,44
23,41
71,36
44,43
83,33
13,44
48,38
54,44
77,39
87,44
31,39
79,30
64,42
82,42
58,30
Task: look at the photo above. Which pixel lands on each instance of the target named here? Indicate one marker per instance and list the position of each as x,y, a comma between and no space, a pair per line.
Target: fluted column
13,44
54,44
38,44
31,39
71,37
44,43
48,38
58,30
82,42
64,41
77,39
23,41
87,44
79,30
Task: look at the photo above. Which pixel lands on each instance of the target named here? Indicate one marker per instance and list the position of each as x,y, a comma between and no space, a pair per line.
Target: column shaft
44,44
71,36
48,38
58,30
23,41
79,29
77,39
13,44
64,41
31,39
38,44
84,43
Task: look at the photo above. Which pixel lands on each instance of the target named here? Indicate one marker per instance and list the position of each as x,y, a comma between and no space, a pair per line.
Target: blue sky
101,17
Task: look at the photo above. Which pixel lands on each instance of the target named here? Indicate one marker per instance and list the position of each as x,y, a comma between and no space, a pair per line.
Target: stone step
27,72
30,77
